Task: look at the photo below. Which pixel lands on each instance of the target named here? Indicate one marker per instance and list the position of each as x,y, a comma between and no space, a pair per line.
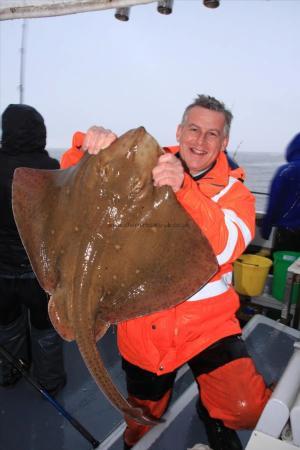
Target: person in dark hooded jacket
23,145
283,210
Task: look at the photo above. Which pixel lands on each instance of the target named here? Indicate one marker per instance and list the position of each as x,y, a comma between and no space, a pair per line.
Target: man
23,145
202,331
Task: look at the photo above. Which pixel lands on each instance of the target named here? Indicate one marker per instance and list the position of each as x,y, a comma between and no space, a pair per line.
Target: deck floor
29,422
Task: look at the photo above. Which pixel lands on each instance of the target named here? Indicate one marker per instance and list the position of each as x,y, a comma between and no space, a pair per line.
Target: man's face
201,138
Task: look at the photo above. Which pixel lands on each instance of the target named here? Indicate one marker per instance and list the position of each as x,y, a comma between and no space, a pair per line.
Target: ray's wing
41,201
155,265
33,198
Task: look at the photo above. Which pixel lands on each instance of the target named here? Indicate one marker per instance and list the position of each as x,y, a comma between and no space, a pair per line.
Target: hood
77,140
293,149
23,130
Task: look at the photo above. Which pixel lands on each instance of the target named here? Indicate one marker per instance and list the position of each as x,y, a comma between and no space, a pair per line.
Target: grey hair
208,102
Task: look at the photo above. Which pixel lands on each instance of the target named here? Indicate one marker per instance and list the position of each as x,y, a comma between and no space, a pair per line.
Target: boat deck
30,422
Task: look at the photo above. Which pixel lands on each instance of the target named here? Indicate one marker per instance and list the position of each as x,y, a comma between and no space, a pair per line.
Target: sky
89,68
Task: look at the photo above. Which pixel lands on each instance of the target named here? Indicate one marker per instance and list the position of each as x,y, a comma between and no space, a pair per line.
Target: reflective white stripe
213,288
232,221
231,182
241,224
226,254
227,277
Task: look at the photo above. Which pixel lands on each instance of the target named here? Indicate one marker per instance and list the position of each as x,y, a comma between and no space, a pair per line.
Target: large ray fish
109,246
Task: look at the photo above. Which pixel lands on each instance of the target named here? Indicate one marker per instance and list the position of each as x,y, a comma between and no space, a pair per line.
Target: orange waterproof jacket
224,209
73,154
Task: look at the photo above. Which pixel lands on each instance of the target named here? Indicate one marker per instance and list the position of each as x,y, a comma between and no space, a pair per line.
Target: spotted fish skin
109,246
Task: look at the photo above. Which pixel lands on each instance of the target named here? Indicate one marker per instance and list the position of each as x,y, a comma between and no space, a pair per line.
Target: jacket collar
217,177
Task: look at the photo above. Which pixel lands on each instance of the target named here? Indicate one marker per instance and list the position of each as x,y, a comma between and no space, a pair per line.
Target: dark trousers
15,293
36,339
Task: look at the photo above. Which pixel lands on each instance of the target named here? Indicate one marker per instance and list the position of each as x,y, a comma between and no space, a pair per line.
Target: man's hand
168,171
97,138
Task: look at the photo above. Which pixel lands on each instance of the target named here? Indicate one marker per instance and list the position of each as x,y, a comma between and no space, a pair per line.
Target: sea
260,168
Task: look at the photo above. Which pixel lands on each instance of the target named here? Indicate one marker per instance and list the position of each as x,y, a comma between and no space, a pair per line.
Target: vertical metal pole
296,318
286,305
22,61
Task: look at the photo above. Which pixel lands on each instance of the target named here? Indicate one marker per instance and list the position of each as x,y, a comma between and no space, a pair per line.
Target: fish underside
108,246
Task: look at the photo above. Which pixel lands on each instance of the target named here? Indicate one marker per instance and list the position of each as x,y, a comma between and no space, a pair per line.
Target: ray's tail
87,346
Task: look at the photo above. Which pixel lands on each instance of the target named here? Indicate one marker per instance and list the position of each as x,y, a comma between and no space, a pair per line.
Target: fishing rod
236,150
260,193
19,365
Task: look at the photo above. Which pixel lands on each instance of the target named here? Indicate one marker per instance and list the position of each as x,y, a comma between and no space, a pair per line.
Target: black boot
47,359
15,340
219,436
127,447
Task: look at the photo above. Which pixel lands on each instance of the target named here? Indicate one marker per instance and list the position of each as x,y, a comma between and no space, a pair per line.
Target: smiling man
202,331
202,134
